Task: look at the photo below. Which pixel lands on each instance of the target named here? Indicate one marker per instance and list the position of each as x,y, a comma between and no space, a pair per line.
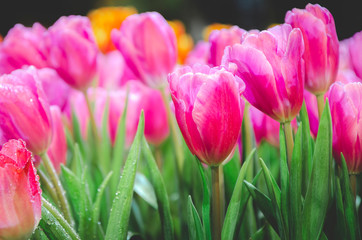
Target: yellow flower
215,26
104,20
184,40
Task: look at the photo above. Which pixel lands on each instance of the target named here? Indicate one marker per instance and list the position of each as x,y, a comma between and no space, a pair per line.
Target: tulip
184,40
355,50
56,90
25,46
220,39
208,110
148,45
321,41
57,151
200,54
271,66
344,56
20,193
214,26
73,51
346,111
312,110
24,110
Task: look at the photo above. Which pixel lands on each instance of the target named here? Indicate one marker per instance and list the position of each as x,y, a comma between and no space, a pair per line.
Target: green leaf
233,212
260,234
205,202
105,144
160,191
264,204
121,208
118,153
72,187
85,229
341,223
275,196
317,196
284,180
77,133
195,227
296,187
351,218
145,190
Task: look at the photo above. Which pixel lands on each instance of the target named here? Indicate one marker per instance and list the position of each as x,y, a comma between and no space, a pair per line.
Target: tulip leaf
351,218
160,191
72,187
85,229
118,153
196,231
121,208
260,234
284,179
296,186
77,133
145,190
105,144
264,204
233,212
317,196
341,223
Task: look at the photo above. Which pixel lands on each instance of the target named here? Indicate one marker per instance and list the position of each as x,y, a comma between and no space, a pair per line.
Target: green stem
248,135
62,200
65,224
289,141
353,182
158,156
92,119
216,201
174,132
46,184
320,101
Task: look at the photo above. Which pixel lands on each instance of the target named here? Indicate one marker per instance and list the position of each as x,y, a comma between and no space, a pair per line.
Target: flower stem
174,133
289,141
216,202
320,101
48,186
248,135
353,182
62,200
92,120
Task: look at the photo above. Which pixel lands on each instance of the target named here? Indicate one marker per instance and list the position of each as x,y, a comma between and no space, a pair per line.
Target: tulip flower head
200,54
355,51
20,193
24,110
73,50
321,45
148,44
346,111
271,65
208,109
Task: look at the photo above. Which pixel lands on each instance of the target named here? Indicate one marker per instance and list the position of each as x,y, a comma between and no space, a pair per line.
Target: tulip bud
321,41
24,110
208,109
148,45
270,63
57,151
346,111
20,192
73,50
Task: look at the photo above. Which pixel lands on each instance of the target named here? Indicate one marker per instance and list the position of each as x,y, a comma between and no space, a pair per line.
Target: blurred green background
195,14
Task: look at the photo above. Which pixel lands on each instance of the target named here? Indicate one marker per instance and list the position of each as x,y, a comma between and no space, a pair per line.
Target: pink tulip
200,54
208,109
271,65
73,51
20,193
265,128
220,39
148,45
24,110
57,151
355,51
346,111
24,46
312,110
344,56
56,90
113,71
321,45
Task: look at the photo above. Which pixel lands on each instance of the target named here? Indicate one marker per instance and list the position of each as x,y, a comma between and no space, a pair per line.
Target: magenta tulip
20,193
148,45
220,39
24,47
208,109
321,45
312,110
346,111
73,51
355,51
24,110
271,65
57,151
344,56
200,54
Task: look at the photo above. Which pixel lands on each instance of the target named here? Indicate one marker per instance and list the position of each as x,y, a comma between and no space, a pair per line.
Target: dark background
195,14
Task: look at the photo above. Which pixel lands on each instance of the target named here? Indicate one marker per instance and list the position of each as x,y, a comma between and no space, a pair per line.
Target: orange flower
104,20
184,40
214,26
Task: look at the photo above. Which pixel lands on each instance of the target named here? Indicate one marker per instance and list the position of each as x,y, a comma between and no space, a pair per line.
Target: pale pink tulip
198,55
355,51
